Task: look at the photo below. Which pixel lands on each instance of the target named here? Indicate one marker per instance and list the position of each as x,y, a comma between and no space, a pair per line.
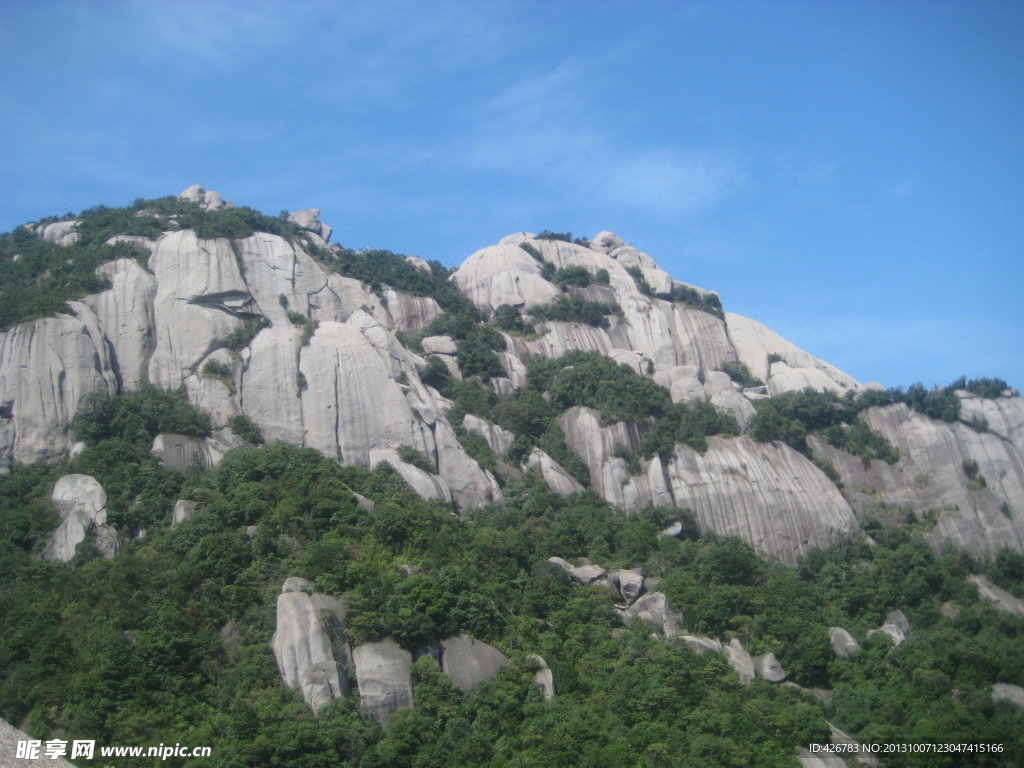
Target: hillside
562,503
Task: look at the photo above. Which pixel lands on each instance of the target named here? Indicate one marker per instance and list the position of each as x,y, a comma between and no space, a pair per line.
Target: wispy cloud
552,127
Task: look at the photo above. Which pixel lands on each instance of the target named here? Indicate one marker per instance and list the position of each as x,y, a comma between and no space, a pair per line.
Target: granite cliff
262,326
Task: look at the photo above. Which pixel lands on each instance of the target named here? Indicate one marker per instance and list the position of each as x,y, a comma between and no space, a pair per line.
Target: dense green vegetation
169,642
739,373
573,309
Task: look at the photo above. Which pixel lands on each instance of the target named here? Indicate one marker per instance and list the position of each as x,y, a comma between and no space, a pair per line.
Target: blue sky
851,174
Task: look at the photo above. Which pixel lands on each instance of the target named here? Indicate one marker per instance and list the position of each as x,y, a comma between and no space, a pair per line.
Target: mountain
277,327
312,506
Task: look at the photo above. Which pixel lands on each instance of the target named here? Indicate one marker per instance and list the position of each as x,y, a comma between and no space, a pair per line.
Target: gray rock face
180,452
740,660
584,574
9,738
843,643
543,676
439,345
557,479
468,661
930,476
767,494
383,673
199,290
701,644
1006,692
125,313
209,200
47,368
183,510
499,440
754,343
82,502
309,220
609,474
899,619
1004,600
628,584
303,644
60,232
769,668
654,608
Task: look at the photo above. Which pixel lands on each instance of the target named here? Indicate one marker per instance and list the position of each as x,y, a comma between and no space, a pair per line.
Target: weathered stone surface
409,313
180,451
470,485
767,494
739,660
543,676
208,199
303,645
499,440
584,574
609,474
654,607
701,644
754,343
468,661
930,476
47,368
59,232
9,738
843,643
125,314
439,345
383,673
1004,415
428,486
309,220
82,502
144,243
1006,692
504,274
898,618
199,290
627,583
1005,601
183,510
557,479
769,668
671,531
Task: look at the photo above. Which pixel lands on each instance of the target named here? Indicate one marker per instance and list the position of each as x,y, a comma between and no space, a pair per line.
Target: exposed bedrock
932,476
82,503
310,655
765,493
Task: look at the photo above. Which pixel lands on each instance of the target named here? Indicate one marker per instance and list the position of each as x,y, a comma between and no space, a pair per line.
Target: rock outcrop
1004,601
383,672
740,660
768,667
468,661
765,493
82,503
843,643
654,608
305,642
1006,692
931,476
543,677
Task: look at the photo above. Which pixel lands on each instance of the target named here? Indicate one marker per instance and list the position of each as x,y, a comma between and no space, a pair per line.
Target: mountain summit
579,359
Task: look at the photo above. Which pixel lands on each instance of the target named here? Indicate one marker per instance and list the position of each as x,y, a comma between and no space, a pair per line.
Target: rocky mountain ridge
261,326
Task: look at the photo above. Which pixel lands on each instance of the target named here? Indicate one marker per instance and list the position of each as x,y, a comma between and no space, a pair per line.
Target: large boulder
1007,692
383,673
82,502
557,479
468,661
739,660
843,643
655,609
303,644
768,667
